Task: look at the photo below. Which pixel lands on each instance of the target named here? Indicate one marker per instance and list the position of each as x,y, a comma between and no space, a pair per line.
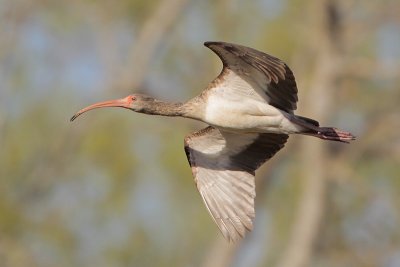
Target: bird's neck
158,107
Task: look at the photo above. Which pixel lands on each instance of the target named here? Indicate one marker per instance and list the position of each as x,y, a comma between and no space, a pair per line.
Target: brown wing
223,165
265,74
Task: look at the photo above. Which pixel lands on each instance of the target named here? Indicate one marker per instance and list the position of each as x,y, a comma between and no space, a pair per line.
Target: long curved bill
122,103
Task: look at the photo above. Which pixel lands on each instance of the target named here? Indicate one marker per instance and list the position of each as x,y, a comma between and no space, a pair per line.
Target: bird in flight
249,108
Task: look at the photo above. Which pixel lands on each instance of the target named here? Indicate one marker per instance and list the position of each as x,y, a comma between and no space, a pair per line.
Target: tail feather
333,134
308,120
311,127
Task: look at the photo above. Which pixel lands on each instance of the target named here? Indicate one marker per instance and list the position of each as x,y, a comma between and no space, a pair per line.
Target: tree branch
314,157
147,41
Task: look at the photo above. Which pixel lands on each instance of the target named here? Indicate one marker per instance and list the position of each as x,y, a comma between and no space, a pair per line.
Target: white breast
238,112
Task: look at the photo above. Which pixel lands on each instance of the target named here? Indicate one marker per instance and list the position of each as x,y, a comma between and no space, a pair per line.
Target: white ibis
249,108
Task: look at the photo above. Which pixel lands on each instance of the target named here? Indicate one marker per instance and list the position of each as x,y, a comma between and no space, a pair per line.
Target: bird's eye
133,98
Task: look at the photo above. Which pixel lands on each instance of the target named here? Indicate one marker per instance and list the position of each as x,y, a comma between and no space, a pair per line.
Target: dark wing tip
209,44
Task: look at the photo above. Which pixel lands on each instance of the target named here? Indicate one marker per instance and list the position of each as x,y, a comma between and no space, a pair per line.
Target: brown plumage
250,109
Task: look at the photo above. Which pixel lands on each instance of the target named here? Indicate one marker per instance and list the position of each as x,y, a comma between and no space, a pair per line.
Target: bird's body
255,116
250,109
232,107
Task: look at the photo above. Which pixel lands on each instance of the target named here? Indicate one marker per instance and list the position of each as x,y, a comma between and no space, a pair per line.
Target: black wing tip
210,43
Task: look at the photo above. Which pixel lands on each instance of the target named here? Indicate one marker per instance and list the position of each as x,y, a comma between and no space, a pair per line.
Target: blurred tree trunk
149,37
325,30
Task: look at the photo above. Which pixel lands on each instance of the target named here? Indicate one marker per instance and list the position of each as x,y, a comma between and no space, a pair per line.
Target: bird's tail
312,128
330,133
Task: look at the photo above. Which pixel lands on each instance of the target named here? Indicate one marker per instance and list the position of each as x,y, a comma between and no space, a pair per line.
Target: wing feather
264,73
223,165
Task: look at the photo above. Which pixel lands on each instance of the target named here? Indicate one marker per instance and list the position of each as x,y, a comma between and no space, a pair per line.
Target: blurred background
114,188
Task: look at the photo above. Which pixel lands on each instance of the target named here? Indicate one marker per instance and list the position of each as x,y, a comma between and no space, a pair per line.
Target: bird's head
135,102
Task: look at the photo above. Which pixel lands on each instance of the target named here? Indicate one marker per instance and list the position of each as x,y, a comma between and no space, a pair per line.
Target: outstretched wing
252,70
223,165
